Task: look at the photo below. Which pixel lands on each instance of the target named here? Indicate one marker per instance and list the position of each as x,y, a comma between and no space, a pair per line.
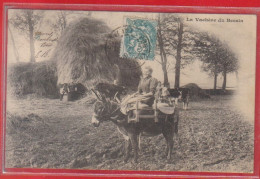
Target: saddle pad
129,103
165,108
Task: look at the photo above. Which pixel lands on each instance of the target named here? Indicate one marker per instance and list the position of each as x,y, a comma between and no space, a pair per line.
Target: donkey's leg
128,149
184,104
167,143
168,135
134,141
139,142
176,123
170,141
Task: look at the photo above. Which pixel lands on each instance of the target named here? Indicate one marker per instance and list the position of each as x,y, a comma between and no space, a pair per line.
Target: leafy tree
216,56
164,60
62,19
26,21
229,63
178,40
207,48
13,44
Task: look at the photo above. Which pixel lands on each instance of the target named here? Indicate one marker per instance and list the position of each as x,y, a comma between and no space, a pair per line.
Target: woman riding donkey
145,93
109,110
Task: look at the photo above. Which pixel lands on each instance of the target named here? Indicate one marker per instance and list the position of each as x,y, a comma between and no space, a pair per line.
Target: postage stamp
139,40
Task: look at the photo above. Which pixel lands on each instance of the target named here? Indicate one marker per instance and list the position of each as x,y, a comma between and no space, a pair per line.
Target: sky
239,32
239,35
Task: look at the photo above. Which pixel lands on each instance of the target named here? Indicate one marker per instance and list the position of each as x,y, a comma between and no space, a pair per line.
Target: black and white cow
181,93
185,96
175,95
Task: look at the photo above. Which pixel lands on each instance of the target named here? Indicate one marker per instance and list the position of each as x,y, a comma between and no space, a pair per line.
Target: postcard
130,91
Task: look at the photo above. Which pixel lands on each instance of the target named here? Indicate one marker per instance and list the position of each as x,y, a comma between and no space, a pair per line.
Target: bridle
105,113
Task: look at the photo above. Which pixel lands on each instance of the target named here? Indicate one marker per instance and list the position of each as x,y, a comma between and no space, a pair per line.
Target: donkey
109,110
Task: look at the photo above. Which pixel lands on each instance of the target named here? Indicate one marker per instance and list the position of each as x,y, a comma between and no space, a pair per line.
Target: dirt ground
47,133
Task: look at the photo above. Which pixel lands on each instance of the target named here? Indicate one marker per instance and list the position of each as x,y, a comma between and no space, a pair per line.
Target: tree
62,19
216,56
178,40
163,56
229,63
207,48
14,46
26,21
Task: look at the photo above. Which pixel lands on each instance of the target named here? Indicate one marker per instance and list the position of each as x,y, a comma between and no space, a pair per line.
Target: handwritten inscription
47,41
43,54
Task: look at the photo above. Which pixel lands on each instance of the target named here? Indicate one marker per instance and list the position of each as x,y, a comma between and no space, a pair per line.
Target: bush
38,78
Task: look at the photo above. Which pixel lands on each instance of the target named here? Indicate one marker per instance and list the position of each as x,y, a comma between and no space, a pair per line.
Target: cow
175,94
72,91
181,93
76,91
185,96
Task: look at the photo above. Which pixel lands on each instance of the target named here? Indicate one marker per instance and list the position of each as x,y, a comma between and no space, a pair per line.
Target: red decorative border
151,6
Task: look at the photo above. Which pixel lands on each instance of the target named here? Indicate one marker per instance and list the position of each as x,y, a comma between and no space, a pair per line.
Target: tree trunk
164,68
215,75
215,81
31,31
178,56
162,54
165,75
237,78
14,47
224,79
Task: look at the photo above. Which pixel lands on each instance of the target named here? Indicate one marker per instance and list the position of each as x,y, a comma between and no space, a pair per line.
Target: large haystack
88,53
196,91
38,78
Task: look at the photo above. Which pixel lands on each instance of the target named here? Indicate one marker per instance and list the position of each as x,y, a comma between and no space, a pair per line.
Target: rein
110,114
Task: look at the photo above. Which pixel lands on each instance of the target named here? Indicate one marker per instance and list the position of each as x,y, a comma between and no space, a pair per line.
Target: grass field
47,133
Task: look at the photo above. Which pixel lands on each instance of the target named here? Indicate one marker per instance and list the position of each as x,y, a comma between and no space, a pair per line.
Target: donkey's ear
100,96
103,97
97,95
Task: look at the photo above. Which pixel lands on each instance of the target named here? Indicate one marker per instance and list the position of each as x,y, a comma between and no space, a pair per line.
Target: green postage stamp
139,40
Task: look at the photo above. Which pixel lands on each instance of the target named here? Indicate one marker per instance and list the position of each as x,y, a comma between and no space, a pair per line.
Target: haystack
88,53
38,78
196,91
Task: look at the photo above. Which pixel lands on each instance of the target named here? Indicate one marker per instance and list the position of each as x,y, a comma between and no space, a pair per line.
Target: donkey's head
103,109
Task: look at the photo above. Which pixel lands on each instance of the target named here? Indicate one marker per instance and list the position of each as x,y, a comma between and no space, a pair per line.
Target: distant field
47,133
